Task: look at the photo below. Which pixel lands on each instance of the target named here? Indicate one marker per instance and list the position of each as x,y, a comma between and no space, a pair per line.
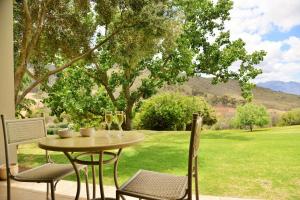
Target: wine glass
120,119
108,119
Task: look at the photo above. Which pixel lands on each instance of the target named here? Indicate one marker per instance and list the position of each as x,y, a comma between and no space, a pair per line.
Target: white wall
6,70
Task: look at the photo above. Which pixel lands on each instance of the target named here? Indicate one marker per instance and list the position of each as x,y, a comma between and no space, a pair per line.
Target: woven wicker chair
153,185
28,131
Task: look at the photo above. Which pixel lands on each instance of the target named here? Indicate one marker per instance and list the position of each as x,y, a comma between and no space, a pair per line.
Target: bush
52,131
53,128
223,123
172,111
290,118
250,115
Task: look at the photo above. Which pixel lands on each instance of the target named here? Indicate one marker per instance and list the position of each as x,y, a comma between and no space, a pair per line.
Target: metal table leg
100,163
77,174
101,174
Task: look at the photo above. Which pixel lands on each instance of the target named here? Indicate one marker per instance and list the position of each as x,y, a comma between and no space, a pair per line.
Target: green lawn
263,164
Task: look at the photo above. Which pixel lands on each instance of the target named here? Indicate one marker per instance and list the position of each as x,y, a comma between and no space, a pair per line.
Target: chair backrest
193,149
20,131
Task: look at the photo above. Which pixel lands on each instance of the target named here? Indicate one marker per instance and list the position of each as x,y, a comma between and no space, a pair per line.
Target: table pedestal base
114,159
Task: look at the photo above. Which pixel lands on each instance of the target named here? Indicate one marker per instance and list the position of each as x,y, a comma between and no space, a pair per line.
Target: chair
153,185
22,131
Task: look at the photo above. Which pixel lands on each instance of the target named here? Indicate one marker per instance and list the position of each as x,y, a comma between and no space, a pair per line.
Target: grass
263,164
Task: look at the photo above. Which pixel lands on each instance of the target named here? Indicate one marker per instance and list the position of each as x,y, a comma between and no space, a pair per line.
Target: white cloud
252,19
282,13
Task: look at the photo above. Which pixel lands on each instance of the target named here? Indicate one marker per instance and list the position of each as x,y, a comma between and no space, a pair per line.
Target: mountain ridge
199,86
290,87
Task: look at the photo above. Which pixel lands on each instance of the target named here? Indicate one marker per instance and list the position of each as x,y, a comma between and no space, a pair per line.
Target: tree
133,65
52,35
76,96
250,115
131,48
177,40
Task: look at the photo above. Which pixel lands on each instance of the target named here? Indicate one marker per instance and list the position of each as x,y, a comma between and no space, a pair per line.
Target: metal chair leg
117,195
87,183
94,178
8,187
196,178
52,190
47,193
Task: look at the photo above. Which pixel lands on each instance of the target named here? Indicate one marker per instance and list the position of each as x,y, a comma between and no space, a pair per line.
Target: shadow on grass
227,136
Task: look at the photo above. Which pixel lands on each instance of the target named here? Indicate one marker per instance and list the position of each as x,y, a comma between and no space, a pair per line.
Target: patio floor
65,191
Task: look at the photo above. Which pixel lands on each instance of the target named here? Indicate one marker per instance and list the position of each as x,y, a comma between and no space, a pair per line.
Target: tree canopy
132,48
250,115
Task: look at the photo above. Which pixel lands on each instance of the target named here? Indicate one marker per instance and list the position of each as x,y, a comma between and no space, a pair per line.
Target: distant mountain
280,86
203,87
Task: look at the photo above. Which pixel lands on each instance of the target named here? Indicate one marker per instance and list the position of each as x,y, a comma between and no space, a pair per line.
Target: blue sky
273,26
277,35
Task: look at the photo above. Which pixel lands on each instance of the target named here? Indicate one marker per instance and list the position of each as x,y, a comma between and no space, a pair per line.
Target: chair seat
154,184
47,172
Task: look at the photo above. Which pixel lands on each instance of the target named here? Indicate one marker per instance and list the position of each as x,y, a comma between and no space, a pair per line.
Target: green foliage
25,106
135,63
211,45
171,111
290,118
48,34
168,42
52,129
146,45
250,115
76,95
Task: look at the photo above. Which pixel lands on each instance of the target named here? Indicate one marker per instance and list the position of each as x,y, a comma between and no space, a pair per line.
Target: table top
102,140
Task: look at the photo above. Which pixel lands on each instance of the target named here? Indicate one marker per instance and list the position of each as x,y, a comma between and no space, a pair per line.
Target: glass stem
120,128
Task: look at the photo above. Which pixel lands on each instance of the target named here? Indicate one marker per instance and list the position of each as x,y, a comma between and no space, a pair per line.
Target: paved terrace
65,191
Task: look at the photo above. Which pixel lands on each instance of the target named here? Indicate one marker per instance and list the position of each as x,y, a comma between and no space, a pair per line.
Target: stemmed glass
120,119
108,119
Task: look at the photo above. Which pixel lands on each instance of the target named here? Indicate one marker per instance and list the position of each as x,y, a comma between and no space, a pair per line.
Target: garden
75,62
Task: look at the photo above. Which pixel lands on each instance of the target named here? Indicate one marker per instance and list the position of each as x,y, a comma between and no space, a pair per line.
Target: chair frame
51,184
192,167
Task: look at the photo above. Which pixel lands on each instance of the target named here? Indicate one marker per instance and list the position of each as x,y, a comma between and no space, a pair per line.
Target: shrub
52,131
250,115
53,128
223,123
172,111
290,118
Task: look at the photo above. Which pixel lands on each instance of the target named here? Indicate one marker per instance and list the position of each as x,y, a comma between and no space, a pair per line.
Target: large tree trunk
129,116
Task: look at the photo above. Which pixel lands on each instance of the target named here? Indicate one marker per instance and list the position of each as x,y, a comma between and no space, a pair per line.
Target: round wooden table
99,143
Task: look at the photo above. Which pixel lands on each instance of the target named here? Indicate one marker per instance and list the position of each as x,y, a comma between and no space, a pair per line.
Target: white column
7,106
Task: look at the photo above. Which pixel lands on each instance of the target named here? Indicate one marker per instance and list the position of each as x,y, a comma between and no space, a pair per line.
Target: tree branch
39,27
104,81
20,70
30,74
68,64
